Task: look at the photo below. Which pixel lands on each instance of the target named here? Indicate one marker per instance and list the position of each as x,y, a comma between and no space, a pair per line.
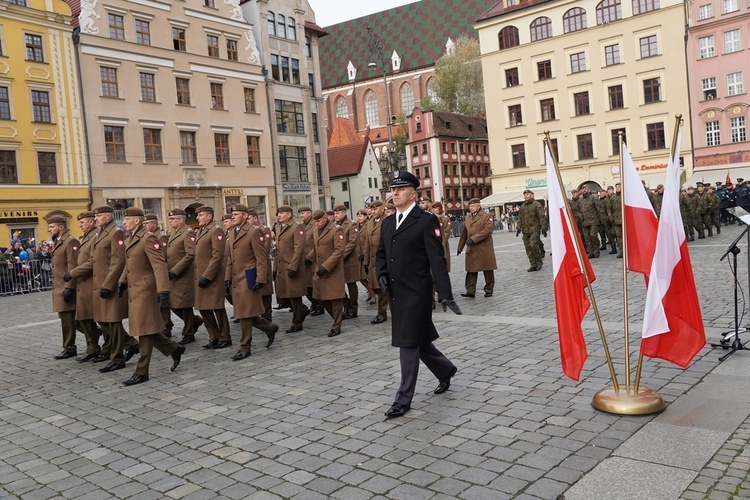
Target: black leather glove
228,287
121,287
367,269
322,271
469,242
203,282
361,257
105,293
67,277
68,295
257,286
172,275
383,283
452,304
544,233
291,273
163,299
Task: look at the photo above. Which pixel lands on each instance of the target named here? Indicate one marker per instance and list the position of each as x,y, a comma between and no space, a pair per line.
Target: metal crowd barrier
25,277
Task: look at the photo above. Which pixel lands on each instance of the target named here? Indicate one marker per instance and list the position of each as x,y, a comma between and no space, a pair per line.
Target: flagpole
624,270
573,233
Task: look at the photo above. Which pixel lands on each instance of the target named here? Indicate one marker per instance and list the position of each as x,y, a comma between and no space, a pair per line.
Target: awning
718,175
500,199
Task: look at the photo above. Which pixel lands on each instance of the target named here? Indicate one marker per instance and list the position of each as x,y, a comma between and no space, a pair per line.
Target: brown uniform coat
328,250
210,247
268,240
180,256
290,245
372,238
145,274
445,228
481,255
64,258
351,263
361,240
309,270
246,249
108,261
82,273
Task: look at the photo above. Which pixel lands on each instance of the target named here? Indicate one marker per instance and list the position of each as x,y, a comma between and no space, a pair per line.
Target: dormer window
448,125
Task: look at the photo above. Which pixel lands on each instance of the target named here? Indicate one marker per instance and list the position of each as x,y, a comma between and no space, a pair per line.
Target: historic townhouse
42,139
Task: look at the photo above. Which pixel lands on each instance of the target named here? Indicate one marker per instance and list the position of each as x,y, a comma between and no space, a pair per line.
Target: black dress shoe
350,315
397,410
240,355
531,269
488,294
211,345
293,329
177,357
111,367
469,295
612,252
100,358
334,333
132,352
379,319
445,383
87,357
168,334
66,355
272,337
222,345
136,379
197,322
279,306
187,339
317,311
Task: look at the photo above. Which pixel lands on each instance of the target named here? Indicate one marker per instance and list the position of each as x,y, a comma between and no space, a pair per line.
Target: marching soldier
687,223
601,211
64,259
290,266
226,223
695,206
307,222
327,260
180,256
742,195
532,220
712,219
362,221
658,199
614,212
146,279
704,208
372,238
351,263
476,236
436,208
590,221
267,291
151,223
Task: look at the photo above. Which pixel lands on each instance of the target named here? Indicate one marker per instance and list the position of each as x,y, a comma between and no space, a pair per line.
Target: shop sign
536,183
288,186
723,159
232,192
18,216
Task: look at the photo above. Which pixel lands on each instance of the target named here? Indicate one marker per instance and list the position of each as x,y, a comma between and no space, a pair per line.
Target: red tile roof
346,149
498,9
343,133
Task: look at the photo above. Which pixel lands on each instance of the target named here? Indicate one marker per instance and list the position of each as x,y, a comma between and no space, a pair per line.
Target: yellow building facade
43,166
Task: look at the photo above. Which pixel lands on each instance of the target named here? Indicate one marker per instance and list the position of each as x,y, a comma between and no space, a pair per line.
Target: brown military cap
426,199
437,204
57,219
239,207
204,208
252,212
376,203
226,216
85,215
151,217
474,200
339,208
177,212
304,209
329,212
133,212
318,214
390,206
285,208
106,209
361,211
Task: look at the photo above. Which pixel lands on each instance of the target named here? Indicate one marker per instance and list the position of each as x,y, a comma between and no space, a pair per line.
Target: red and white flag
672,321
569,282
639,218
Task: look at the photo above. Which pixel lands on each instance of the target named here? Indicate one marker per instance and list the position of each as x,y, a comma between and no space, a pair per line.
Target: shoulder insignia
341,236
75,248
437,232
301,232
261,238
219,237
120,242
192,238
356,230
156,246
164,244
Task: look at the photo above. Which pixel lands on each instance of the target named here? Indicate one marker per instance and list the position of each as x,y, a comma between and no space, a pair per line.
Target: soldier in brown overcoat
372,238
307,222
445,229
267,290
147,282
246,251
326,257
480,254
108,261
180,255
362,223
351,263
64,258
210,246
84,287
151,223
289,266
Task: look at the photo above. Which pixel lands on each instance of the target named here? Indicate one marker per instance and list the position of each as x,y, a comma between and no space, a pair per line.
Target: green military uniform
590,226
614,212
532,220
696,207
685,213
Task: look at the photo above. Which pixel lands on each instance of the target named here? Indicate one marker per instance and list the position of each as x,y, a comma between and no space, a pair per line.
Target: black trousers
438,364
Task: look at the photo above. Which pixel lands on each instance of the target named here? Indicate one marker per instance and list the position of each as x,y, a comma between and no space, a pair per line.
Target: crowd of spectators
25,267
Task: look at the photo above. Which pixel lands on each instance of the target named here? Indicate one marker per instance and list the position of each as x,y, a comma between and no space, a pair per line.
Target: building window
737,129
295,72
709,88
732,41
47,167
40,106
518,152
548,109
280,26
574,20
643,6
407,98
152,145
217,96
345,185
253,150
249,100
648,46
275,68
4,104
178,39
418,126
578,62
608,11
508,37
585,146
735,85
109,81
148,87
291,29
18,2
114,143
142,32
581,102
188,150
308,46
271,23
541,28
232,53
371,109
615,135
293,164
511,77
221,144
730,6
713,134
424,148
705,11
319,170
544,69
415,150
514,115
706,46
116,27
284,69
342,110
612,54
212,42
311,84
183,91
316,137
616,99
655,135
208,3
34,49
651,90
289,117
8,168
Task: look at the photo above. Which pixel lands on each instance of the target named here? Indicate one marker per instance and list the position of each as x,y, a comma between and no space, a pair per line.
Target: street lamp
376,49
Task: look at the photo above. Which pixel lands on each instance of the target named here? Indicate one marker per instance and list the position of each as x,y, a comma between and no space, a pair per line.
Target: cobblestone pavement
304,419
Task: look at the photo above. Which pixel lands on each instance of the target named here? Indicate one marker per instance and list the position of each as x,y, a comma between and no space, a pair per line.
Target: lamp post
376,49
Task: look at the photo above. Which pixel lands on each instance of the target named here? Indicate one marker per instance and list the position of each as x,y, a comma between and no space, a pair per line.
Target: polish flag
569,282
672,321
639,218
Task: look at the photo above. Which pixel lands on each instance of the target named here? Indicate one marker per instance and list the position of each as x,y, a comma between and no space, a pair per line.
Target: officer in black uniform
723,194
741,195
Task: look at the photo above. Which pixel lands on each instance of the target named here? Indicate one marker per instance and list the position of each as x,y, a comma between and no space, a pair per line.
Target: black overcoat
405,257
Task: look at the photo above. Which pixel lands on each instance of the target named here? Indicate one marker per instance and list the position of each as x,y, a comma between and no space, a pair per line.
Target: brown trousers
267,303
351,303
187,316
91,332
334,308
119,341
489,282
217,324
166,315
299,310
68,326
163,344
382,302
247,324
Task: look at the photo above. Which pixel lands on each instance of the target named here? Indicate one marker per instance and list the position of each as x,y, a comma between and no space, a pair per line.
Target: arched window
342,110
608,11
643,6
371,109
281,23
508,37
407,98
271,23
431,92
541,28
291,29
574,20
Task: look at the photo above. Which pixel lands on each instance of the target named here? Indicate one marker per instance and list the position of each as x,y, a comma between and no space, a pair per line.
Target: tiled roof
75,11
498,9
346,149
461,126
343,133
417,32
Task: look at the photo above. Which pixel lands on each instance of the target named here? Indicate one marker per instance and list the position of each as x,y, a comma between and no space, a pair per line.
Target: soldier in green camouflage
604,224
614,211
687,223
658,198
532,220
704,208
713,212
590,227
694,205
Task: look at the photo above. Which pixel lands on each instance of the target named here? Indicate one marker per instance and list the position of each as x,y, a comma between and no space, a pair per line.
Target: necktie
400,218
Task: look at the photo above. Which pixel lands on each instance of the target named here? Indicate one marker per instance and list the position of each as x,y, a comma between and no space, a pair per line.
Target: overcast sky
328,12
